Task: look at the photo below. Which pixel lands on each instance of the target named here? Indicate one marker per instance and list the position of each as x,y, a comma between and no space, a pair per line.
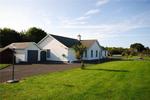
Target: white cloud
102,2
82,18
71,22
92,11
139,21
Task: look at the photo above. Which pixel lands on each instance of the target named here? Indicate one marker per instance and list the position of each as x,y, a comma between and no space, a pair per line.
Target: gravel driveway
22,71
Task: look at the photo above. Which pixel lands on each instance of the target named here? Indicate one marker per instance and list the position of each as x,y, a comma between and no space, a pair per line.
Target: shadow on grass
110,70
106,60
68,85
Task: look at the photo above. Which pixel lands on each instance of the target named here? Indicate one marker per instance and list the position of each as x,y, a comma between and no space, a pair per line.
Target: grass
3,66
118,80
137,57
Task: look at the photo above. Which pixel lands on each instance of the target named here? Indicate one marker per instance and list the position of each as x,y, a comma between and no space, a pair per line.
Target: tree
146,52
8,36
79,50
115,50
126,53
24,37
35,34
137,46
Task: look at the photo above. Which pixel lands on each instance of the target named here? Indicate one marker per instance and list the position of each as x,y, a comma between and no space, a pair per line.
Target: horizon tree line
34,34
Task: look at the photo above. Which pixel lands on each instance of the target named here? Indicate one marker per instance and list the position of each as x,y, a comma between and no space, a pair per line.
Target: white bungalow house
59,49
54,48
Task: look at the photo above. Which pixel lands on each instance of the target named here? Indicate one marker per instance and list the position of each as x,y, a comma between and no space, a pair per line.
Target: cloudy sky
113,22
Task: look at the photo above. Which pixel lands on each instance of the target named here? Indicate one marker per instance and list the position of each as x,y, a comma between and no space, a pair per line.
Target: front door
43,56
32,56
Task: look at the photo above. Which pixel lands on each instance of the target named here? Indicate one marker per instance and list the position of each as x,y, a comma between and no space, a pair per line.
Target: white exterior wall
100,53
94,47
71,55
21,54
106,53
57,50
103,53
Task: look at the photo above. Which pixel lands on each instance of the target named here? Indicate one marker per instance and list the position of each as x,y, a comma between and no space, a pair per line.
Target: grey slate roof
17,45
69,42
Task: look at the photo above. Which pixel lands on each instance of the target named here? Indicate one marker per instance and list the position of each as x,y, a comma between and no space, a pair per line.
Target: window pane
91,53
85,53
48,53
96,53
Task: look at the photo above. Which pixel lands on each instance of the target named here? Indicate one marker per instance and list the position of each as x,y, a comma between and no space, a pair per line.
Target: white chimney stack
79,37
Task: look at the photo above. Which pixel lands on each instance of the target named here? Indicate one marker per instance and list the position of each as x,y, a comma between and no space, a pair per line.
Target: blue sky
116,23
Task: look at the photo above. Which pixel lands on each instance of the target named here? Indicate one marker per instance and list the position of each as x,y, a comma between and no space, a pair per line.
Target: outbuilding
28,52
6,55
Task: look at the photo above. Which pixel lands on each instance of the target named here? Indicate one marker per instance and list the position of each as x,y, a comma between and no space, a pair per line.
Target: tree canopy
8,36
35,34
137,46
79,50
134,50
115,50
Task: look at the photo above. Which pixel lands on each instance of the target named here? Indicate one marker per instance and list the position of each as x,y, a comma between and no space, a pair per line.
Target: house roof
69,42
1,49
88,43
18,45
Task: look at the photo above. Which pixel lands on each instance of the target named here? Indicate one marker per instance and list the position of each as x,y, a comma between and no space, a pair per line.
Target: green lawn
118,80
137,57
3,66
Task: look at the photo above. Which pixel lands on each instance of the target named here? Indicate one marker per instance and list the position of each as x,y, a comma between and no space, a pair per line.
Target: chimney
79,37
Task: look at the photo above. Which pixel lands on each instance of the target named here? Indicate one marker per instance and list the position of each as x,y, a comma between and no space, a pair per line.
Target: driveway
22,71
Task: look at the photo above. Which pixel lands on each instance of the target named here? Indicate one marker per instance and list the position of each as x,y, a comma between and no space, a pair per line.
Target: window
105,53
96,53
85,53
48,53
91,53
100,53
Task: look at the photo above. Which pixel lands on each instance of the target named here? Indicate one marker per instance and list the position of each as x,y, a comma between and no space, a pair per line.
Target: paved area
22,71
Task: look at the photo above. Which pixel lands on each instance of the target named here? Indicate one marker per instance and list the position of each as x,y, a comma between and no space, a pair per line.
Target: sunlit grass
118,80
